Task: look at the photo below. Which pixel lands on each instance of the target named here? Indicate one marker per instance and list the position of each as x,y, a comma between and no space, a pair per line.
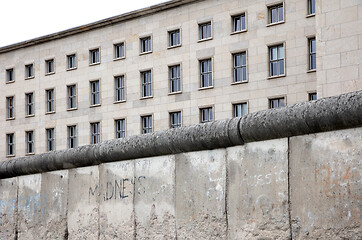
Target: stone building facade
175,64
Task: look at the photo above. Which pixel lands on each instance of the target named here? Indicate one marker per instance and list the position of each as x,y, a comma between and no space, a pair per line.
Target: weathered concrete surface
116,202
155,198
30,207
83,203
200,195
257,193
54,201
326,185
8,207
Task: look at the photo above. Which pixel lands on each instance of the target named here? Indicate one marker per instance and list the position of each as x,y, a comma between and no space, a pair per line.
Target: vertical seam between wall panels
175,198
66,234
289,193
99,202
226,191
134,200
16,209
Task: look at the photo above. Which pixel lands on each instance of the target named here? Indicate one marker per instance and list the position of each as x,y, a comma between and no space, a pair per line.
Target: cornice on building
99,24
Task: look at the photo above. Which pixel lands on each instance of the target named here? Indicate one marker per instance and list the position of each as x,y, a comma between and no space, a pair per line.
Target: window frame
119,131
179,117
270,48
9,75
95,132
310,7
174,79
49,101
146,85
69,97
115,55
73,138
50,61
150,123
29,71
149,45
234,105
29,142
208,73
74,61
310,96
278,98
29,105
92,61
10,145
234,68
275,6
119,88
201,113
169,34
200,28
312,54
10,109
242,15
95,94
50,139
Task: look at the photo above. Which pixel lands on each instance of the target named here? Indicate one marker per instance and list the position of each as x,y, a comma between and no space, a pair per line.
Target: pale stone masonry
335,26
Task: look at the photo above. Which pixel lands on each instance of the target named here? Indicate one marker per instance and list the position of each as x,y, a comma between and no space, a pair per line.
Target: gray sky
22,20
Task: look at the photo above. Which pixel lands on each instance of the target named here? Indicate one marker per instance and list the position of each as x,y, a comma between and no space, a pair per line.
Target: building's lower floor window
312,96
50,139
276,102
29,142
175,119
72,136
146,124
240,109
206,115
120,126
95,132
10,139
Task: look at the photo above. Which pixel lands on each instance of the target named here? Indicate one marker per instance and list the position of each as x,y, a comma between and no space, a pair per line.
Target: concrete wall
303,187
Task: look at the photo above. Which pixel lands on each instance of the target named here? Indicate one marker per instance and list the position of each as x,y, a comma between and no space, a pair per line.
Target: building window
174,38
50,100
10,108
29,142
49,66
119,50
29,71
94,57
239,60
72,136
276,13
175,78
10,75
119,88
240,109
175,119
120,127
312,96
206,115
205,31
146,124
95,133
145,44
50,139
311,7
95,93
29,98
206,73
276,103
239,23
10,139
312,54
146,83
71,61
72,97
276,60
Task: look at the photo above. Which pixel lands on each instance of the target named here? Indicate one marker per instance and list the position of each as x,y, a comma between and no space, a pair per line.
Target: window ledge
275,23
28,78
174,93
279,76
311,70
238,32
175,46
70,69
10,119
205,39
29,154
120,58
310,15
95,105
143,98
51,73
72,109
10,156
121,101
9,82
48,113
29,116
94,64
240,82
205,88
145,53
